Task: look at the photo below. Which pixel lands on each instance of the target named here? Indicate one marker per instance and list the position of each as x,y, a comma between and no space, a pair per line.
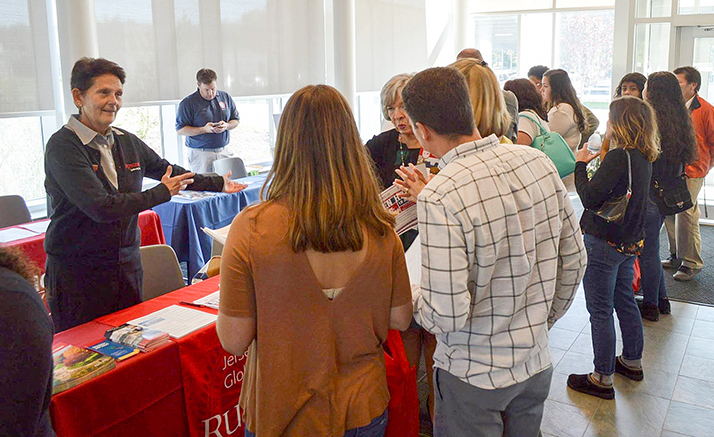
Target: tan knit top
316,366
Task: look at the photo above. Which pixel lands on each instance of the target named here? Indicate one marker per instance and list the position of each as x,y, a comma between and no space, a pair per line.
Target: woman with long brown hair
613,244
312,278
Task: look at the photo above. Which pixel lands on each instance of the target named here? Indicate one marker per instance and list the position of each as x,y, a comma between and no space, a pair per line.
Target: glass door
696,48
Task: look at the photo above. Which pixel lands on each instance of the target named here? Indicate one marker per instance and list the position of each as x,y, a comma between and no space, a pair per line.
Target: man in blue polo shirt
204,118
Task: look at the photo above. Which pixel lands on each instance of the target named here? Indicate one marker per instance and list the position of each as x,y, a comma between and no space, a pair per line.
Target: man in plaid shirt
502,257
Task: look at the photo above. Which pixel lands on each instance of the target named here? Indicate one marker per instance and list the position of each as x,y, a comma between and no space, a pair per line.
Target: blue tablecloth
182,220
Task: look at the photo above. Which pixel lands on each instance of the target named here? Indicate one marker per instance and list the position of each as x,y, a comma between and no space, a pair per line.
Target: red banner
212,380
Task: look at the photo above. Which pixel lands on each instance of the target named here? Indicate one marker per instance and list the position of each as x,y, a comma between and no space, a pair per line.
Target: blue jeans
653,286
608,284
375,428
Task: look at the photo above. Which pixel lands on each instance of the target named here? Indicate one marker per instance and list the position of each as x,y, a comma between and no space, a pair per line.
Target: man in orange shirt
685,241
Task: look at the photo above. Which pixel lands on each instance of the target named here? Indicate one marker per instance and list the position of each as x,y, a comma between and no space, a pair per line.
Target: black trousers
80,289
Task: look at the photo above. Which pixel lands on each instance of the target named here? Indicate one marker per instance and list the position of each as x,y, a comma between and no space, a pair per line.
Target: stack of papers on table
210,301
178,321
220,235
39,227
136,336
194,195
14,234
25,230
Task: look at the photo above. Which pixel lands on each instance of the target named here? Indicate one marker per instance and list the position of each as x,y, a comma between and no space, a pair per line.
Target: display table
189,387
186,388
183,219
33,247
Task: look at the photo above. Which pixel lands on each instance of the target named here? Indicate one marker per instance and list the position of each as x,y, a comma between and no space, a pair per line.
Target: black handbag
672,194
613,210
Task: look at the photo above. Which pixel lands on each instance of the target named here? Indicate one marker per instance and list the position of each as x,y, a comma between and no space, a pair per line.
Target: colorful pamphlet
74,365
137,336
117,351
405,211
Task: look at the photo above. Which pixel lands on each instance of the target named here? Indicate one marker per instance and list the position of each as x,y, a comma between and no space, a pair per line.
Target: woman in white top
531,106
564,113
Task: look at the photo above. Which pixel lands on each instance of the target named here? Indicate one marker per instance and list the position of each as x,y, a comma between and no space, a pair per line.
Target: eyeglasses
392,109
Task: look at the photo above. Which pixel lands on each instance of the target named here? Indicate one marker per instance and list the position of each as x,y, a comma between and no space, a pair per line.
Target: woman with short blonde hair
490,113
312,278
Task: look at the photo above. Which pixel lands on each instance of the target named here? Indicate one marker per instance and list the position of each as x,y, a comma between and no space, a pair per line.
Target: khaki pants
201,160
685,240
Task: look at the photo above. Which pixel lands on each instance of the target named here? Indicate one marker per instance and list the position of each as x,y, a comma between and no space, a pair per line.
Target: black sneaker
627,372
648,312
685,273
664,306
672,262
585,384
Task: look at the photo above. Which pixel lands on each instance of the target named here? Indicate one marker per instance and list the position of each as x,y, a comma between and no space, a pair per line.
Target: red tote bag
401,380
637,277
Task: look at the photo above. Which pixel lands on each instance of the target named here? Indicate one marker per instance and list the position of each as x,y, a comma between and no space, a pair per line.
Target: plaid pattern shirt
502,257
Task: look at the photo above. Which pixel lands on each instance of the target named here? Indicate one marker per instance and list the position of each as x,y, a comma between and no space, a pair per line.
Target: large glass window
696,7
496,36
145,123
537,49
369,116
22,157
651,47
510,5
125,34
704,62
583,3
583,48
25,72
251,139
653,8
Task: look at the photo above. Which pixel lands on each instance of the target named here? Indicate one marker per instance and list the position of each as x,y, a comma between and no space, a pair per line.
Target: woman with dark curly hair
631,84
26,345
679,147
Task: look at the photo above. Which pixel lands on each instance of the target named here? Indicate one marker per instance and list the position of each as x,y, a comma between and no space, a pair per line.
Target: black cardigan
26,362
90,216
611,181
383,149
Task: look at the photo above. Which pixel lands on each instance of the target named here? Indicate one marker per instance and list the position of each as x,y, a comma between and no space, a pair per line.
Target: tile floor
676,397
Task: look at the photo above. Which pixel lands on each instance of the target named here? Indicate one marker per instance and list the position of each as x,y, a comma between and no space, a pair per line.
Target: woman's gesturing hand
176,183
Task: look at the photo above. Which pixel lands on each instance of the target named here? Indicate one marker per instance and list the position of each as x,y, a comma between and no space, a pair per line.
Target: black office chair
13,211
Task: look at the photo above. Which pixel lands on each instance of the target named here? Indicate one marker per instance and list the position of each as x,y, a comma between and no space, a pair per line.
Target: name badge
222,104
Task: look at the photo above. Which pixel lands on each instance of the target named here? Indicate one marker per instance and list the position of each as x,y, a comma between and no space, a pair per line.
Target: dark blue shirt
196,111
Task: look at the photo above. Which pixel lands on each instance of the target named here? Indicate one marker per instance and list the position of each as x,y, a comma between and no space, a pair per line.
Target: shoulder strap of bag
542,130
629,172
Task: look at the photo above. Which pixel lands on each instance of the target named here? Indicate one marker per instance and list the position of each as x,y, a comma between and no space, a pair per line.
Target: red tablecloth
141,396
33,247
193,382
190,387
212,378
